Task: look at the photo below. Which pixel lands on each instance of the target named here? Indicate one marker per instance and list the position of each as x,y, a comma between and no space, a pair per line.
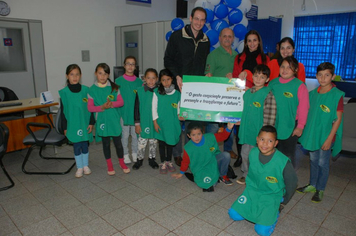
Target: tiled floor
147,203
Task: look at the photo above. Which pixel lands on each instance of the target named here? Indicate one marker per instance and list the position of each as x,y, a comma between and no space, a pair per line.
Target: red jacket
238,68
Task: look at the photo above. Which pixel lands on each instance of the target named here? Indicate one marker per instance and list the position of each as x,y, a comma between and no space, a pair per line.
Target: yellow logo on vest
271,179
207,180
80,132
212,149
288,94
111,97
85,100
135,91
102,126
256,104
325,108
174,105
242,199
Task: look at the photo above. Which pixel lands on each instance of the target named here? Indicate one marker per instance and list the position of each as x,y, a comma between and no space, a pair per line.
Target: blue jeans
260,229
213,127
319,168
223,160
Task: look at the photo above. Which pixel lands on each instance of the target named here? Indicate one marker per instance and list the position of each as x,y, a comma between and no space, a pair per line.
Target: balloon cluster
221,14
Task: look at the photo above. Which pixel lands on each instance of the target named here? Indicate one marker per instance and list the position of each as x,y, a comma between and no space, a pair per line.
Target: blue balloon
219,25
209,15
213,35
177,24
212,48
221,11
205,28
235,16
233,3
240,31
168,35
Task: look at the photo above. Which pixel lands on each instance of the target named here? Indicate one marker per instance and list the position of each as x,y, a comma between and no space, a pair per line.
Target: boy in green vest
202,155
322,134
270,184
259,109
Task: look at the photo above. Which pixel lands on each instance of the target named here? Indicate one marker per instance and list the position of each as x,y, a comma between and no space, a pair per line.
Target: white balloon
204,4
217,45
240,46
244,21
235,43
214,2
245,6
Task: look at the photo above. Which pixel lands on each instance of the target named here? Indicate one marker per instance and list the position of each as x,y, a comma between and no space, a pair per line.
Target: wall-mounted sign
7,41
140,1
131,45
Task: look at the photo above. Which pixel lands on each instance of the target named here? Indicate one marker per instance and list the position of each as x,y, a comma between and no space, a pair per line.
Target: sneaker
318,196
87,170
112,172
127,159
225,180
241,180
162,168
306,189
137,165
79,173
153,163
238,162
211,189
170,166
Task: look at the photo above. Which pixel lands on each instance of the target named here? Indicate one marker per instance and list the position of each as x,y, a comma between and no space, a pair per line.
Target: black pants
163,147
118,147
239,146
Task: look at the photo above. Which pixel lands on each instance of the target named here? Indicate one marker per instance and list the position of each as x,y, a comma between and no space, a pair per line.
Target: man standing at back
186,54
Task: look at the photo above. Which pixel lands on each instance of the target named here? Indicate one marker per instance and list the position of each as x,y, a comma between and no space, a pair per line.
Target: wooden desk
17,128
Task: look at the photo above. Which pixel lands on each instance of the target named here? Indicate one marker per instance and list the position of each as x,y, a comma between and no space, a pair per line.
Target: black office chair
4,137
7,94
48,135
120,70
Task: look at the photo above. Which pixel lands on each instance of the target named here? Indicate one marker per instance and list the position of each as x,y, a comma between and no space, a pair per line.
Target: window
327,38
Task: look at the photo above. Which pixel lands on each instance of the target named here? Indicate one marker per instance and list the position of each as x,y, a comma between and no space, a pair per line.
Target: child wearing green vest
76,119
104,100
129,84
259,109
322,135
292,100
165,115
202,155
270,184
143,120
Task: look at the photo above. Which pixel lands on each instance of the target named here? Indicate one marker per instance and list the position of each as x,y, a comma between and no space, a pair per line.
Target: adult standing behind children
251,56
286,49
186,54
220,63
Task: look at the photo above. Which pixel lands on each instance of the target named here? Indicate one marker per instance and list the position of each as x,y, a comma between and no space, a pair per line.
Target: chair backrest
4,136
58,122
120,70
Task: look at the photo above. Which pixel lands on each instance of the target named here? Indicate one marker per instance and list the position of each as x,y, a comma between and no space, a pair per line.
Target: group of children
127,107
275,118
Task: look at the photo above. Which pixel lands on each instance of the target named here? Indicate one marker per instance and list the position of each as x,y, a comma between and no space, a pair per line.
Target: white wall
291,8
70,26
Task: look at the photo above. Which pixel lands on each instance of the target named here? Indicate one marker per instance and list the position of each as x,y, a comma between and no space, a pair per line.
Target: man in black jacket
186,54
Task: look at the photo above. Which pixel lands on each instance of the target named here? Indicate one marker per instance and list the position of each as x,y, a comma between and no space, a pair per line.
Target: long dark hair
106,68
164,72
70,68
260,46
283,40
293,63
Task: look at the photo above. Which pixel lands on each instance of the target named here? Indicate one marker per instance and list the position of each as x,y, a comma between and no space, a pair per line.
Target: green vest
128,92
252,115
107,121
286,96
322,114
168,121
203,162
259,203
76,112
147,127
